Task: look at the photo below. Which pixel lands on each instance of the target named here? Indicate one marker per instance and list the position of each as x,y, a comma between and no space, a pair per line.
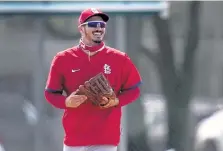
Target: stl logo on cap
94,10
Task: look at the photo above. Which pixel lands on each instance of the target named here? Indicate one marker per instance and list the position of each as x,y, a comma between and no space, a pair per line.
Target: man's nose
98,28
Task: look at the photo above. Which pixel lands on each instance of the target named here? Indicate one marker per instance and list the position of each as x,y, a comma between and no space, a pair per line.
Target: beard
97,41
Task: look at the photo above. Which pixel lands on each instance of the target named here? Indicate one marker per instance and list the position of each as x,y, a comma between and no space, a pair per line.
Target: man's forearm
57,100
128,96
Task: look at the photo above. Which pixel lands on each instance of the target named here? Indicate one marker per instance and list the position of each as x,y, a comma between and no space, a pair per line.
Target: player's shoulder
116,53
66,53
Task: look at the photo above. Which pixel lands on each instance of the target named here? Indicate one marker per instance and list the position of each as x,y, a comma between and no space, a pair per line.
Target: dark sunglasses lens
96,24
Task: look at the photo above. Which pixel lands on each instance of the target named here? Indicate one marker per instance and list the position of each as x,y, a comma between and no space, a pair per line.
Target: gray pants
91,148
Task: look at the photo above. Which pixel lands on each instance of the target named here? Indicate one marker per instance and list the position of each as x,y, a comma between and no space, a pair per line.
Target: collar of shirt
91,48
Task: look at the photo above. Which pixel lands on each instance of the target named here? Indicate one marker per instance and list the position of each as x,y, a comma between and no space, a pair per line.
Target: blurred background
177,48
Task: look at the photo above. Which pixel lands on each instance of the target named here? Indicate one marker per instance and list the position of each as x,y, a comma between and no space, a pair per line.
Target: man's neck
91,48
89,43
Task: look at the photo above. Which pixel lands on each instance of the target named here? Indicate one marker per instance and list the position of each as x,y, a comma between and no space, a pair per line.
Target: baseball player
88,127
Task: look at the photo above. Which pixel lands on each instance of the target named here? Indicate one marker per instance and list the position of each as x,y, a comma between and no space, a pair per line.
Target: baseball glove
96,88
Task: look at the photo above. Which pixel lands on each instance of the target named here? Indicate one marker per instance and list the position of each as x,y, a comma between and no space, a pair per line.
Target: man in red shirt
88,127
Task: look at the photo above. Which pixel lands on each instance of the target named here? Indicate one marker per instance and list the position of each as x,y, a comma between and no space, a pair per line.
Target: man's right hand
73,100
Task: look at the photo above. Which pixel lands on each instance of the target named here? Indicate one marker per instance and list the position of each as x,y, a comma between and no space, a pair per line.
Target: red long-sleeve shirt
88,124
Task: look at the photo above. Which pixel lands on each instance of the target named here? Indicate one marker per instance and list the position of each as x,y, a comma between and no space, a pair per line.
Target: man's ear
81,29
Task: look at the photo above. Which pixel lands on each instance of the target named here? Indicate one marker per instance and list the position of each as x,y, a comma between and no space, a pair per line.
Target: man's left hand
111,102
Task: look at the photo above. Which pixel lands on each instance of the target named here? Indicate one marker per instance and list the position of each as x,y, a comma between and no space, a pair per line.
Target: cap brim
102,15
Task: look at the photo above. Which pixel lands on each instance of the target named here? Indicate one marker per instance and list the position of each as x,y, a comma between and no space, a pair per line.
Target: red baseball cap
90,12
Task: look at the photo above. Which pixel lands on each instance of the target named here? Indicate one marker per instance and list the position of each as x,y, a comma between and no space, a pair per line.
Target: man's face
94,29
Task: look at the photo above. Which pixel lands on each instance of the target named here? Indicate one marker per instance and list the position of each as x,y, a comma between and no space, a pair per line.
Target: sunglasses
95,24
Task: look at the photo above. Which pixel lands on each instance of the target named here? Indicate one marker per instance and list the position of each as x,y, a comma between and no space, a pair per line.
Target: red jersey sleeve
54,84
130,75
55,78
130,83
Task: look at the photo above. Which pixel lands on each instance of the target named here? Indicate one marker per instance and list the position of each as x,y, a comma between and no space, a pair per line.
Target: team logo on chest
107,69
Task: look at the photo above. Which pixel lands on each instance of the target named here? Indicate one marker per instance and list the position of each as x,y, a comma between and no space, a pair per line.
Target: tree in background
176,80
138,140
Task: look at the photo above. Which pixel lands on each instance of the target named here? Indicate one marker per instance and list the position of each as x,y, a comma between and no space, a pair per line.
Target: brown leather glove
98,90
